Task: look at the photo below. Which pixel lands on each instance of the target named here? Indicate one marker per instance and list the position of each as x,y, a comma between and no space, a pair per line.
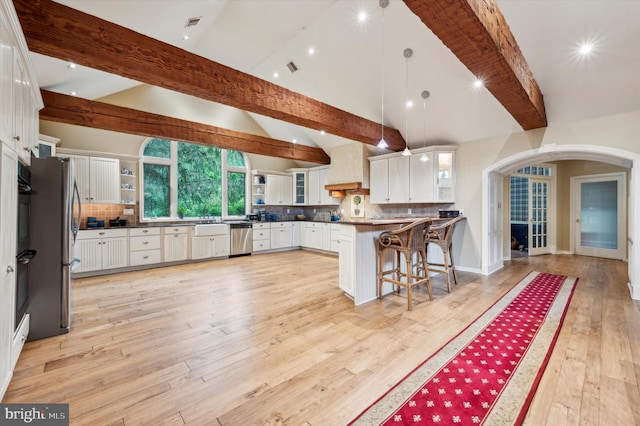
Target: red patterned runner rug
489,372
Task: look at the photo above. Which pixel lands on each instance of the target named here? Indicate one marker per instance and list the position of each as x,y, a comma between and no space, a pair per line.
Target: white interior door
599,215
539,204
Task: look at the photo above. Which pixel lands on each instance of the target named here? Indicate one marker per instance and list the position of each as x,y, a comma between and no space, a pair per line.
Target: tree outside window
193,180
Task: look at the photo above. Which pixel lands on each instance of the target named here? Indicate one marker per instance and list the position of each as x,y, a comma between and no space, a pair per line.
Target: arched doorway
492,195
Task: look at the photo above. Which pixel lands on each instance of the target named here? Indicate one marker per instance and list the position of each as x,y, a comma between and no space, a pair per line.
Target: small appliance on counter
117,222
448,213
253,217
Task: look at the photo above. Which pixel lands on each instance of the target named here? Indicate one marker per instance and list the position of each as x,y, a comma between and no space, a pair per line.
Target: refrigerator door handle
76,223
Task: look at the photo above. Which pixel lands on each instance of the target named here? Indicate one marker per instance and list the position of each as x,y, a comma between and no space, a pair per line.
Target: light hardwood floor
270,339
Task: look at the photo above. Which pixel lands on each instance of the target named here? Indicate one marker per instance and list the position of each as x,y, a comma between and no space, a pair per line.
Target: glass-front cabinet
445,176
299,186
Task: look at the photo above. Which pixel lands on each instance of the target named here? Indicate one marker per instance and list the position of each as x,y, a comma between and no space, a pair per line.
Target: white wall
619,132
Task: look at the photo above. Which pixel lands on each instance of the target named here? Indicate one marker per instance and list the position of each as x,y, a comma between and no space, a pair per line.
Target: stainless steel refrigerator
54,224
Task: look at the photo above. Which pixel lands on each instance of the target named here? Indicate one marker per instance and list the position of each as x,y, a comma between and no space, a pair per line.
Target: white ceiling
260,37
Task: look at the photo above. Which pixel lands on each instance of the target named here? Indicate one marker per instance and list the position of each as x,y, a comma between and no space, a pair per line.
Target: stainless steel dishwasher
241,237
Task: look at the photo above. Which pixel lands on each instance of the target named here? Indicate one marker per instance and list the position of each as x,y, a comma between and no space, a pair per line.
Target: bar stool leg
453,266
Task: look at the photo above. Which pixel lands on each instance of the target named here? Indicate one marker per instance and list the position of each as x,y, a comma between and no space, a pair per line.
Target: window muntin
193,180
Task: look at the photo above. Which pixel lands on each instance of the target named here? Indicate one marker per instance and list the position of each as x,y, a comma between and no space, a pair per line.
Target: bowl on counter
301,217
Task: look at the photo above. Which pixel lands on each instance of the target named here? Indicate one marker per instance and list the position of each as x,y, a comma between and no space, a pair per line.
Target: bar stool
406,241
442,236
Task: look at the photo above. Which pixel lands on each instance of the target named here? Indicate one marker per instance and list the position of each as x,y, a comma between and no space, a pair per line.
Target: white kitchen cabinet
313,236
444,167
297,240
100,249
421,181
98,178
318,196
300,190
346,261
334,230
209,246
279,190
261,236
46,146
399,179
176,243
144,246
20,101
8,243
281,235
389,180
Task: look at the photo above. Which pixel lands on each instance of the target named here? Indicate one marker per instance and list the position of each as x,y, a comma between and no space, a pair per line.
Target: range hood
349,169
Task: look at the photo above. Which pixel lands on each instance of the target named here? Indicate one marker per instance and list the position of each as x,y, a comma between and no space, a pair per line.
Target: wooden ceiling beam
99,115
58,31
477,33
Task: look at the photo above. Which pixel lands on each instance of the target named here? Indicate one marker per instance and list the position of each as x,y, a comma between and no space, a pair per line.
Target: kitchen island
358,255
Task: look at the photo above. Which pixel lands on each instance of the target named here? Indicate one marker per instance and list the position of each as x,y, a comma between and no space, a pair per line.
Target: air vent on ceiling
192,22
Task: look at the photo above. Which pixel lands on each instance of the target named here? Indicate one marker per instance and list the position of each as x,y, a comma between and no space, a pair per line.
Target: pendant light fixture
407,54
425,94
382,144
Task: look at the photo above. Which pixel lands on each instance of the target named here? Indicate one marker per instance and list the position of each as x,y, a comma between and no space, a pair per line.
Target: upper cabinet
300,187
389,180
98,178
427,176
20,97
271,188
318,196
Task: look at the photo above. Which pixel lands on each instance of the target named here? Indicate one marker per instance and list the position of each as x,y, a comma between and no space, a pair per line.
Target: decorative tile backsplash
109,211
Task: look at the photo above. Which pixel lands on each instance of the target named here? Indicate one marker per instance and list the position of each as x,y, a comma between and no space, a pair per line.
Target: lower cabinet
346,260
261,237
144,246
313,235
100,249
209,246
176,243
281,235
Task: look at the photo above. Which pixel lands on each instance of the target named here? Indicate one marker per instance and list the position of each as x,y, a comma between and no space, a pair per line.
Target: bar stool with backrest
405,242
442,236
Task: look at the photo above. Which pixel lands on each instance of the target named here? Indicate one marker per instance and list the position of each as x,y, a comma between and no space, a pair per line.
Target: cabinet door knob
101,233
17,137
9,269
145,242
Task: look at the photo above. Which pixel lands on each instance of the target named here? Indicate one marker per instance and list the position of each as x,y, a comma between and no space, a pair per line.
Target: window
191,180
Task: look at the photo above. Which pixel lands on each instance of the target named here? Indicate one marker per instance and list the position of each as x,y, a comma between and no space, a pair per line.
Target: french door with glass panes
539,203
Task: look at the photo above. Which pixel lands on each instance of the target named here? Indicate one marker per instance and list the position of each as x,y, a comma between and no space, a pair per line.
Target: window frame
172,162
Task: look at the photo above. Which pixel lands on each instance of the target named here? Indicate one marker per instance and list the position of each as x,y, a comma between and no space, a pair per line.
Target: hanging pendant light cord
382,143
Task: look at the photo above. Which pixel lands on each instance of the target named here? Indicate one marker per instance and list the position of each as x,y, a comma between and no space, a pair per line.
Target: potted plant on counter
181,212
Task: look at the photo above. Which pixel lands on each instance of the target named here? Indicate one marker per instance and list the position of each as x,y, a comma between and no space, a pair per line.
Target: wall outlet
314,210
128,212
408,211
288,211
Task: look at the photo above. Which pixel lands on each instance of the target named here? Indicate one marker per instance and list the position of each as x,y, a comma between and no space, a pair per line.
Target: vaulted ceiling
358,75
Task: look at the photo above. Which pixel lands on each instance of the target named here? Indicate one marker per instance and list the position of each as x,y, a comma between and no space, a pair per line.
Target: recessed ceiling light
478,83
276,75
311,51
185,37
586,48
295,140
362,16
74,93
71,65
409,104
322,132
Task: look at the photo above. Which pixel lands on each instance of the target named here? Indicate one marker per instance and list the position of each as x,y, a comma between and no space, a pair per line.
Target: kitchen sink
211,229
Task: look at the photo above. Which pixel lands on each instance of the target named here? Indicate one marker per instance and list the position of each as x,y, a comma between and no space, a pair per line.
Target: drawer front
261,234
173,230
150,242
134,232
101,233
282,225
316,225
261,226
144,257
261,245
